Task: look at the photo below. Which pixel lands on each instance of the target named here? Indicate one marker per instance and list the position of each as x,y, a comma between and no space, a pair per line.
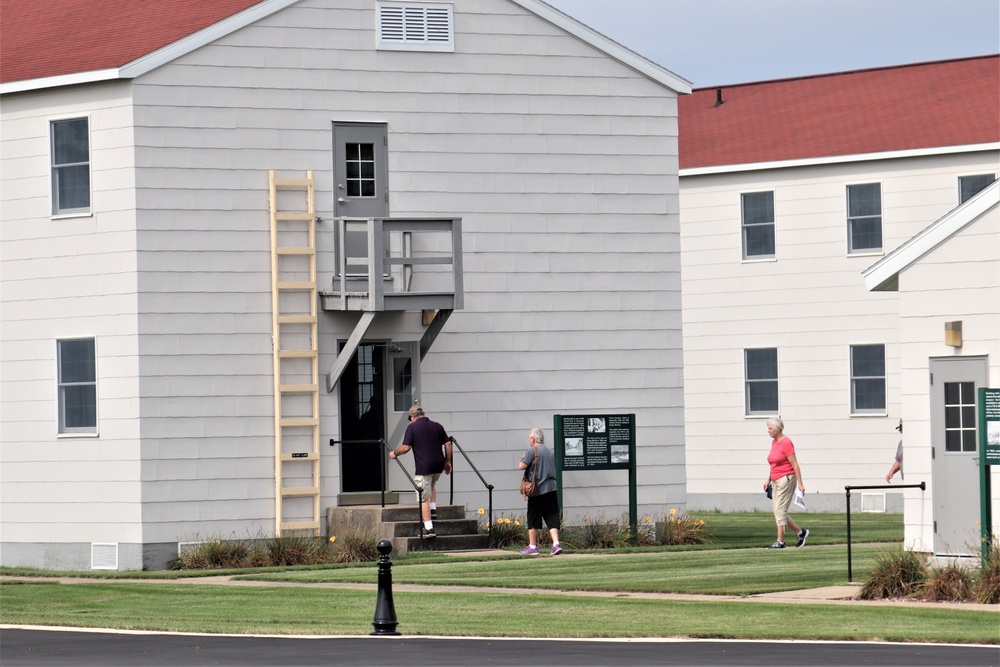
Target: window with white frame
868,379
70,151
758,224
77,370
761,369
970,186
864,218
415,26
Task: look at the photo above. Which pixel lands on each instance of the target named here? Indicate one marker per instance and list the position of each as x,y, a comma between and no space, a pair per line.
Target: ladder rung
296,284
300,525
303,456
296,251
296,354
298,388
293,215
299,421
300,491
296,319
293,182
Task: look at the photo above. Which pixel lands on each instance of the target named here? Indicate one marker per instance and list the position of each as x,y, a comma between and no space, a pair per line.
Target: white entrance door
955,464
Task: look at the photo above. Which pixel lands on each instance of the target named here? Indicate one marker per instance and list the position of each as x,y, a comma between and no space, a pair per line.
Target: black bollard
385,611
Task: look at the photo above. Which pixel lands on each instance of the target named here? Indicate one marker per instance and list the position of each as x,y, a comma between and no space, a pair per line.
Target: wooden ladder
295,344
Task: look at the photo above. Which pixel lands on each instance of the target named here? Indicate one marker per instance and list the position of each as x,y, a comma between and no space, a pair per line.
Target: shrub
988,586
355,545
896,574
602,534
507,531
678,528
951,583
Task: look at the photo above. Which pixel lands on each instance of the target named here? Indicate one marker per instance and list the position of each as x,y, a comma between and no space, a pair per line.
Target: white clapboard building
831,226
237,234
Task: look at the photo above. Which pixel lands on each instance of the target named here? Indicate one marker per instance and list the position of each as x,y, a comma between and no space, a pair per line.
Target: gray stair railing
922,486
489,487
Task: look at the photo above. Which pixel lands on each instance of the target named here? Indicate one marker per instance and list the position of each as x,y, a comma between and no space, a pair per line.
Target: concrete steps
400,524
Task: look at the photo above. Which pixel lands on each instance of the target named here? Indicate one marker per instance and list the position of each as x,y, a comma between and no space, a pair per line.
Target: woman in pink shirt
785,474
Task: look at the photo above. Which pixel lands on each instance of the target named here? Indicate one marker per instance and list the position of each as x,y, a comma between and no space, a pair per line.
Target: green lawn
721,568
313,610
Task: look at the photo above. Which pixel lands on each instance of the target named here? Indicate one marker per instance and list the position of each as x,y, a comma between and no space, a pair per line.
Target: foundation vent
873,502
104,556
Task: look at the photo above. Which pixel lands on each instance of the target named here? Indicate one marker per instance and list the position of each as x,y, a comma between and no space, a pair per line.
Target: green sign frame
988,408
598,442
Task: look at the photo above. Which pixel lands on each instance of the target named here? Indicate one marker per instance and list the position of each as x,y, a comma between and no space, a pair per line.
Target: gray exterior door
955,461
361,186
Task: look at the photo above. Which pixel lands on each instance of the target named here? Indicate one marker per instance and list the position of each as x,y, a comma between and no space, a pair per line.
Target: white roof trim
161,56
883,275
835,159
623,55
218,30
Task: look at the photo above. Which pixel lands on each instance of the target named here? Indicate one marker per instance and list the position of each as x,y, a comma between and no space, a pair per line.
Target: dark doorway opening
362,418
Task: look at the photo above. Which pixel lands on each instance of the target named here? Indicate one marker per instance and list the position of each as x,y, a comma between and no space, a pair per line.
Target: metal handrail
922,486
489,487
383,476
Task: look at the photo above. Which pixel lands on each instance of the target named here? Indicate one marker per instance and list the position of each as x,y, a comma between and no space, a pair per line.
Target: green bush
897,574
356,545
951,583
988,586
677,528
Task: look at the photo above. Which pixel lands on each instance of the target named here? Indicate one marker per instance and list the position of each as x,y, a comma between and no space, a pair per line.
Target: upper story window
77,368
761,368
864,218
415,26
758,225
970,186
70,150
868,379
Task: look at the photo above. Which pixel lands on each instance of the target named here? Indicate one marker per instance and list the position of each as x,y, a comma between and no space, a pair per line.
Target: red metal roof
924,105
41,38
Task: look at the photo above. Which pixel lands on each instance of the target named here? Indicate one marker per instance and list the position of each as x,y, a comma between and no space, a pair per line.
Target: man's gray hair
538,436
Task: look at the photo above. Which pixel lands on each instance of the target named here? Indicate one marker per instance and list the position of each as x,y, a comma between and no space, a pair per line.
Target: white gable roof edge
885,271
228,25
612,48
196,40
835,159
161,56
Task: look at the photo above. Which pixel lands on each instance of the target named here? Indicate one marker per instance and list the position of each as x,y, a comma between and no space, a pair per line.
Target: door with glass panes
954,456
361,186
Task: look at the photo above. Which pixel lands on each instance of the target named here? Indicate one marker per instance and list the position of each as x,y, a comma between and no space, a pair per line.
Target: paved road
54,648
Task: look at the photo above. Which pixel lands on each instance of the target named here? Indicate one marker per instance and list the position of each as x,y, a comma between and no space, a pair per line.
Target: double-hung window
70,151
761,367
77,369
970,186
868,379
758,225
864,218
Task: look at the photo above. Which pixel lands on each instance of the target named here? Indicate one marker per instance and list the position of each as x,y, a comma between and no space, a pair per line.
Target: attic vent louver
412,26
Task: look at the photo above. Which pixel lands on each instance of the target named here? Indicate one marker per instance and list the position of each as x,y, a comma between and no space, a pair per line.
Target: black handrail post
382,466
922,486
850,574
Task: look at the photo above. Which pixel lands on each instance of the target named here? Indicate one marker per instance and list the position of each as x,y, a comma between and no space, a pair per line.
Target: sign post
989,455
598,442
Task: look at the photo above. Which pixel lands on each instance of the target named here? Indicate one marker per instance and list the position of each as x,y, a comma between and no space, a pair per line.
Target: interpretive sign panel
990,433
596,442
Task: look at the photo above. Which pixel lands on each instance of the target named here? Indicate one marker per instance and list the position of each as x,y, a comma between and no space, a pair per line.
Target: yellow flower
480,511
673,511
333,538
517,523
701,522
649,520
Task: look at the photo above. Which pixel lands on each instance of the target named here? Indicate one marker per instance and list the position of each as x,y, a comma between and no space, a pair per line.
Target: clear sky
714,42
